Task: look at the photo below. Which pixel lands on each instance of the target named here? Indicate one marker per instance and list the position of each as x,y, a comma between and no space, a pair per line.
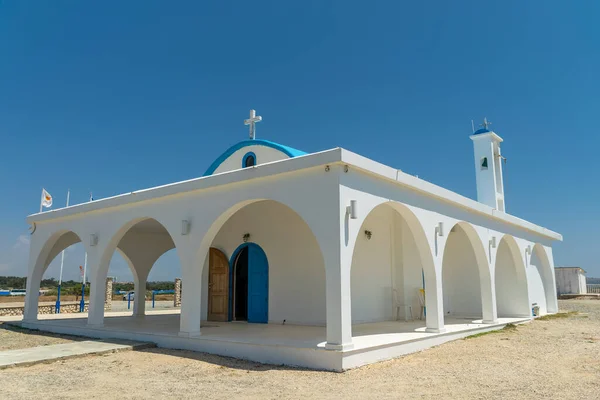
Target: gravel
552,359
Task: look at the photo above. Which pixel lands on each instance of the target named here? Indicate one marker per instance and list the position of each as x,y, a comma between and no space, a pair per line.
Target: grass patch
560,315
507,328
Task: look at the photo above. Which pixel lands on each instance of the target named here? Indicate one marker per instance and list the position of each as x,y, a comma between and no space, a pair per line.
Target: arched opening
62,251
540,277
144,259
283,261
240,286
512,299
465,274
250,284
391,267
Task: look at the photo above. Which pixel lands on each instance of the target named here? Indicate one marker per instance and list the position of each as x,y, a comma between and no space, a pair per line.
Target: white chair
399,304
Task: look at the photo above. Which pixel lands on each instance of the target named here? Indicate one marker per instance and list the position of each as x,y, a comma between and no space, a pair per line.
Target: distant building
570,280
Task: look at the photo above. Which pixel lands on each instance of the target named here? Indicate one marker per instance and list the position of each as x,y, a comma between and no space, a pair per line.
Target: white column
552,300
337,237
338,298
434,300
37,254
139,301
98,276
191,292
30,314
488,290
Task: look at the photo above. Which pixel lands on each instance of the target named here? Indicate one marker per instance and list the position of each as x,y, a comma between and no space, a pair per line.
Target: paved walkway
43,354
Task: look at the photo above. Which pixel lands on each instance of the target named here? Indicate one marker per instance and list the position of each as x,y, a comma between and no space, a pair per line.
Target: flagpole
62,261
82,303
41,200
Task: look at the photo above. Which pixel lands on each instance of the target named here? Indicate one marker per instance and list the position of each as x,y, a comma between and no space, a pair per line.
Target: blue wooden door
258,285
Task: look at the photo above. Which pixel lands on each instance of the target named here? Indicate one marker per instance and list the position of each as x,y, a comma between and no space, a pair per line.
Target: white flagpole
85,261
42,200
62,259
84,267
82,303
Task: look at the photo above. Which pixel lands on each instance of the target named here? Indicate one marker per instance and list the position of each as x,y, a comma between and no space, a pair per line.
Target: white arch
423,249
118,234
296,263
226,214
54,244
101,266
485,289
512,293
539,258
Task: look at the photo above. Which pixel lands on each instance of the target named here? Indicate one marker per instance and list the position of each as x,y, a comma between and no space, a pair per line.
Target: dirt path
558,358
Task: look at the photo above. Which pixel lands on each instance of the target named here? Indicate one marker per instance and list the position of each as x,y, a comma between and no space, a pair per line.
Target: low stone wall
177,298
67,307
108,294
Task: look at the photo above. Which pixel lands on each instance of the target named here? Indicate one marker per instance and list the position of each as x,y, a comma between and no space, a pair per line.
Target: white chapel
325,260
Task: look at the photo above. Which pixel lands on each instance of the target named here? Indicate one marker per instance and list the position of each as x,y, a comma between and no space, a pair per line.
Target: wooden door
218,286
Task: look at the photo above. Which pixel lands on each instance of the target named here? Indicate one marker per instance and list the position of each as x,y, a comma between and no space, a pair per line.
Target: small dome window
249,160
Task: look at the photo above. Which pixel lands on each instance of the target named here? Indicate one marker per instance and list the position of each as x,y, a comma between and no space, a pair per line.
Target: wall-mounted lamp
93,239
246,237
439,230
185,227
352,209
368,234
493,242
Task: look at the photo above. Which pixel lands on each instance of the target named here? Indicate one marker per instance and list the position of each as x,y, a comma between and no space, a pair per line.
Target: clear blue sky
116,96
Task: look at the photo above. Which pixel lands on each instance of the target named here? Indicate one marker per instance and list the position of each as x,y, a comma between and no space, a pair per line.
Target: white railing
593,288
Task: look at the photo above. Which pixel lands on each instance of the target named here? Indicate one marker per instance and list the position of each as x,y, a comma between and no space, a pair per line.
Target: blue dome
290,152
481,131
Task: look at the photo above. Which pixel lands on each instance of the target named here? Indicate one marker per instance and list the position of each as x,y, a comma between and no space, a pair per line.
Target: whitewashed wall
412,270
536,289
540,277
371,273
511,290
296,268
387,262
460,281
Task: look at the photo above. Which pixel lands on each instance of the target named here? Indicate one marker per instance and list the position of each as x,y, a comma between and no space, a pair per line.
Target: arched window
249,160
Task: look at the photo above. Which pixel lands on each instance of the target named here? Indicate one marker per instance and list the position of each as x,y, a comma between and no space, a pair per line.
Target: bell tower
488,167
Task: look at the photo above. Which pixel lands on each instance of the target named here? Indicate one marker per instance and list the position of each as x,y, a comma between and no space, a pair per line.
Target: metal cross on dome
486,123
252,122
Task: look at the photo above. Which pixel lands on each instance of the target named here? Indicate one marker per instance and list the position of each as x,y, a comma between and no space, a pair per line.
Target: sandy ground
558,358
12,338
